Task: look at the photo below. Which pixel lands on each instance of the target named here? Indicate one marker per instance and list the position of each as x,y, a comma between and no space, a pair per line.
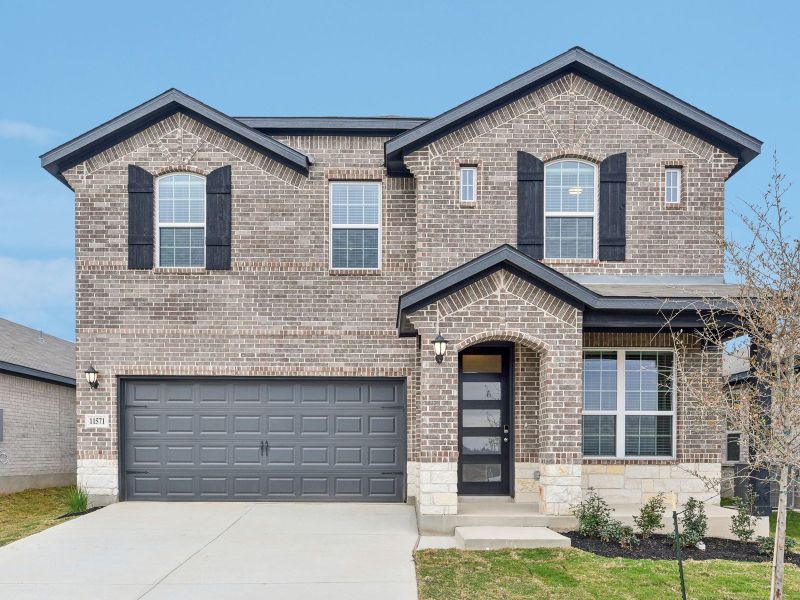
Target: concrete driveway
225,550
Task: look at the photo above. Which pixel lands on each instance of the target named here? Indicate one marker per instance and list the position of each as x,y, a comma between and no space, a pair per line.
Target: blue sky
69,66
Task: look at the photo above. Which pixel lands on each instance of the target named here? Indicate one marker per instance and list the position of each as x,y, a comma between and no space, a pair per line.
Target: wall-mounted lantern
91,377
439,348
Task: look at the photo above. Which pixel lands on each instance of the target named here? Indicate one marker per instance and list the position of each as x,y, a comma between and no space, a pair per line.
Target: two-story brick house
261,296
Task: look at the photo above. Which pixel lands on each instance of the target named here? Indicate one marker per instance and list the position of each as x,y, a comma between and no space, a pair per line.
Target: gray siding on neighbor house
39,433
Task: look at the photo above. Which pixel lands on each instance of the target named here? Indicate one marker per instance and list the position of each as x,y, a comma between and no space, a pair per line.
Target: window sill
179,270
675,206
612,460
467,203
356,272
570,261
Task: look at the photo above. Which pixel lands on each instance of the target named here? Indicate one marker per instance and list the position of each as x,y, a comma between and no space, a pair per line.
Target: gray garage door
264,439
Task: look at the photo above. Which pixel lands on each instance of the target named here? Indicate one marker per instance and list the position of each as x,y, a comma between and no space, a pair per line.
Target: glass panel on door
484,438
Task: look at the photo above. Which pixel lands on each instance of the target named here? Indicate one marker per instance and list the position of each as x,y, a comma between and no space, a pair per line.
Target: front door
484,421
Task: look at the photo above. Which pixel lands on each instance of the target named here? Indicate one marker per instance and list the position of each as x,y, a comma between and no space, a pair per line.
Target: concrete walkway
241,551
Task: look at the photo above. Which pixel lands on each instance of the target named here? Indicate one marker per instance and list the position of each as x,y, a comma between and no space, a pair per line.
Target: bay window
628,404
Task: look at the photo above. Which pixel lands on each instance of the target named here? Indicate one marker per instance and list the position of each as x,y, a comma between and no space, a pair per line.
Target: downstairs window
628,404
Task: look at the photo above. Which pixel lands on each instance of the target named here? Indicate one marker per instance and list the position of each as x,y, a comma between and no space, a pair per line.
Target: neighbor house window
181,214
355,225
733,448
672,185
468,178
570,206
628,403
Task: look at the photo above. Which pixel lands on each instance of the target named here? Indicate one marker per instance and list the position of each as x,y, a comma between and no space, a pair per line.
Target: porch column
437,406
560,410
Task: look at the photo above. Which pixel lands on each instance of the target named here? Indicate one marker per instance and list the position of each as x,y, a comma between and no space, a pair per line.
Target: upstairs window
181,215
355,225
468,177
672,185
570,205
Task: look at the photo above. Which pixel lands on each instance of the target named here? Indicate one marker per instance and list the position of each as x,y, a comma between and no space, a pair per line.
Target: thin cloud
39,293
20,130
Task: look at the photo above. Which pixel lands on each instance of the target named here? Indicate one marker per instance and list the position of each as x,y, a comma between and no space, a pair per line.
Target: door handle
261,449
266,447
505,433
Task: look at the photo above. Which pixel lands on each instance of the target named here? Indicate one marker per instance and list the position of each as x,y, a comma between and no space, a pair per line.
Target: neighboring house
735,471
37,409
261,296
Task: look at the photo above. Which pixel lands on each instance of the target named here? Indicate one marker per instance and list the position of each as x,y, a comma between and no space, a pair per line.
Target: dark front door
484,421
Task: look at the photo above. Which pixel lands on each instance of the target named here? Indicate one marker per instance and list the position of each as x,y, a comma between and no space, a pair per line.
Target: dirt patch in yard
660,547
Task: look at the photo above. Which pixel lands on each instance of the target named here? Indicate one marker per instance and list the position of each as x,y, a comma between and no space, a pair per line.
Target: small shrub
694,522
766,545
725,501
614,531
593,515
650,517
76,499
743,523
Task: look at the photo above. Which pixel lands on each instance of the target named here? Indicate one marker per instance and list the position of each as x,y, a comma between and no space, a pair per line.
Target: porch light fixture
439,347
91,377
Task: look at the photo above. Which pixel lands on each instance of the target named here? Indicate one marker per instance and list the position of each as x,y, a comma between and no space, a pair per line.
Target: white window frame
378,226
594,214
621,412
157,218
461,185
677,187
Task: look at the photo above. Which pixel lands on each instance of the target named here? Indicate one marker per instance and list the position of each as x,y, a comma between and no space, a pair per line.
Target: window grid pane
569,187
648,381
599,435
181,200
181,247
672,186
468,184
569,237
600,381
648,435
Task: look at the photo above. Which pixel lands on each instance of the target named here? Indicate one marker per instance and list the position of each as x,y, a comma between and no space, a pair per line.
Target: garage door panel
324,440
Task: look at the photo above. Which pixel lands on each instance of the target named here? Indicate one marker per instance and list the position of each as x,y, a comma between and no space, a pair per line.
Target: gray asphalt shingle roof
26,347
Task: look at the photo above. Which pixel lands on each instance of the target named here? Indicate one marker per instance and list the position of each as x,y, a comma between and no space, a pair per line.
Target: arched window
181,221
570,209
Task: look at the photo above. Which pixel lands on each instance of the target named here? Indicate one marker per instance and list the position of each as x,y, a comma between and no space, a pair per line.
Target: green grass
792,524
577,575
27,512
725,501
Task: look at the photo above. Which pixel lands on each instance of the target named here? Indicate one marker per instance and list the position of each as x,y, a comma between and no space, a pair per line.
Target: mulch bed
659,547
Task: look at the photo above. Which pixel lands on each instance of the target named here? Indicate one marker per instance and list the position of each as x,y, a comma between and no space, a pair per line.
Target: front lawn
792,524
577,575
27,512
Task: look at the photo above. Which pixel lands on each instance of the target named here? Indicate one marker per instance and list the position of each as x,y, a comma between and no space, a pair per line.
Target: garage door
264,439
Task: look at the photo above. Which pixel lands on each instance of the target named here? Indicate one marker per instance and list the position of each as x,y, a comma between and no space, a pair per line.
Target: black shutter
611,226
140,218
530,205
218,219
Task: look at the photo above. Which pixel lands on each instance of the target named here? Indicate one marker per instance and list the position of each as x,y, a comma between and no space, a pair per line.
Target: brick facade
38,434
280,310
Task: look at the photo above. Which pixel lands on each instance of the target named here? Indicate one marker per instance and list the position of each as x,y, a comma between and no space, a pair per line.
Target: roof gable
599,310
127,124
594,69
